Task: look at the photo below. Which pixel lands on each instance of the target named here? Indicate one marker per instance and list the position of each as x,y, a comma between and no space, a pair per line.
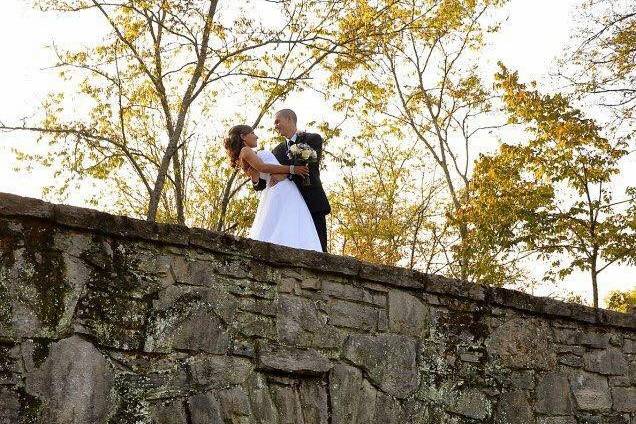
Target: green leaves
551,195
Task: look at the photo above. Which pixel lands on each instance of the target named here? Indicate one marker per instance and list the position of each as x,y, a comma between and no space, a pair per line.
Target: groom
285,122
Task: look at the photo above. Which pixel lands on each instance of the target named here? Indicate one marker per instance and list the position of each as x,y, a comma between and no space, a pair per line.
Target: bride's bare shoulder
246,151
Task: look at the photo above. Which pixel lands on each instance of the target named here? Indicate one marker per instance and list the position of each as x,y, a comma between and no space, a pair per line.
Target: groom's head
285,122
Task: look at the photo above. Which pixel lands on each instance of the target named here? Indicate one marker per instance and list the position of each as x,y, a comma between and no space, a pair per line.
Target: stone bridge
107,319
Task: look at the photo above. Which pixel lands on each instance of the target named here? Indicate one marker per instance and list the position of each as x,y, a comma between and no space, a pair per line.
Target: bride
282,216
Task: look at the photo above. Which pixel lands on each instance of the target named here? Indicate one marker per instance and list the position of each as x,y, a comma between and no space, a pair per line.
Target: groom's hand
276,178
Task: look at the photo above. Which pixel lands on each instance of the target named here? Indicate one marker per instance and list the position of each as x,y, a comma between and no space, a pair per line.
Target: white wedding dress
282,216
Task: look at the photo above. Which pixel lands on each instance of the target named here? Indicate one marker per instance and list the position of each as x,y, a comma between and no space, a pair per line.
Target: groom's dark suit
314,194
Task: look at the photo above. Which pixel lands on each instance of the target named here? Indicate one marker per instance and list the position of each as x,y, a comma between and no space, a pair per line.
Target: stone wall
106,319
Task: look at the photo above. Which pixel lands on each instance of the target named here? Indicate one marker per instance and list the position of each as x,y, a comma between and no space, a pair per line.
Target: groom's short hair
289,114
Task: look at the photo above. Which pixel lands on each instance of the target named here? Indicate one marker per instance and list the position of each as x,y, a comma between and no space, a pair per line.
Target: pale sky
531,38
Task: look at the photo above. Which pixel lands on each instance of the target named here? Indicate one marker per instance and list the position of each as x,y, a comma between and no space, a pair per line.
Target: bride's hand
301,170
253,174
276,178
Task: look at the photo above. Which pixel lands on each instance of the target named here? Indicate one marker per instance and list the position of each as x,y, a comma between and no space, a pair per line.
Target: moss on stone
40,351
114,306
9,242
6,363
41,270
6,309
49,272
132,407
30,409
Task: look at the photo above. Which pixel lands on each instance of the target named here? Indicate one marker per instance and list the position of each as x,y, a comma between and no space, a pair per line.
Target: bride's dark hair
234,143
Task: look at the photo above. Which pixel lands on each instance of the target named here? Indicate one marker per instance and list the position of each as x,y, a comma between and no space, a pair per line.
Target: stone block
75,383
522,343
294,361
522,380
388,410
39,285
553,394
593,339
566,336
249,288
204,408
353,398
514,408
590,391
451,287
624,399
616,339
241,347
301,323
471,403
262,404
574,350
235,405
393,276
168,412
383,320
619,381
388,359
609,361
9,364
219,371
347,291
10,409
255,325
11,204
310,283
408,315
287,285
557,420
115,319
571,360
197,329
353,315
258,306
300,311
314,401
287,404
472,357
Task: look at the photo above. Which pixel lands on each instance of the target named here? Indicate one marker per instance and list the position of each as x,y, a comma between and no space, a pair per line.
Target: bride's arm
252,158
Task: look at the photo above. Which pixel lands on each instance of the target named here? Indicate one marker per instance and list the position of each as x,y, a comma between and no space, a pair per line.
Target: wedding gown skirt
282,216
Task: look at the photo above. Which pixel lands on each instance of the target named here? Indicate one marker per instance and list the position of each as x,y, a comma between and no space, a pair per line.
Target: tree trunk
175,132
178,188
153,205
594,272
225,201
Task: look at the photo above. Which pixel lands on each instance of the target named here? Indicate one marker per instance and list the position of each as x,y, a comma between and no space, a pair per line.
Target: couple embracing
293,206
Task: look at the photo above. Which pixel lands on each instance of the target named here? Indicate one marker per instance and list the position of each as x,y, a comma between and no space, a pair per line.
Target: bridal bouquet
302,154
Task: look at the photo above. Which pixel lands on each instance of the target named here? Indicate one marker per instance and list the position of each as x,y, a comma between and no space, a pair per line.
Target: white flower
294,149
314,155
305,154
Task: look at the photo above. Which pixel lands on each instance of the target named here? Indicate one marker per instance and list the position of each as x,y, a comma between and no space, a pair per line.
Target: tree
601,64
423,79
160,68
622,301
207,193
383,205
552,195
501,204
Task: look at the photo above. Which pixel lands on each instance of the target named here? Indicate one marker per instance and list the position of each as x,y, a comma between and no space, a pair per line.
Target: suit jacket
314,195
